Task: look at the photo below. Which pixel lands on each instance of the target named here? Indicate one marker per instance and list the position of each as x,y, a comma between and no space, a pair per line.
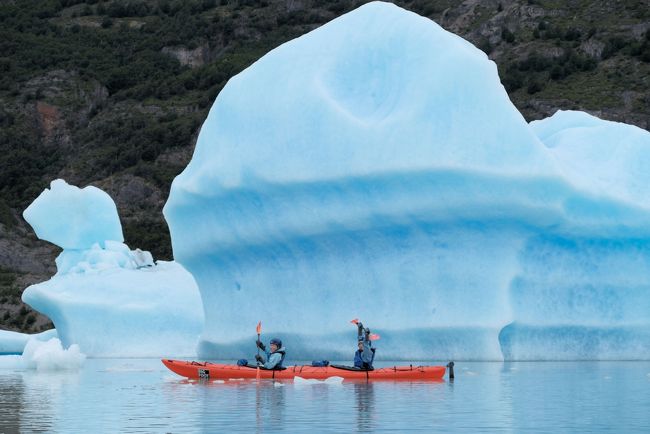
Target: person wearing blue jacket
365,354
274,356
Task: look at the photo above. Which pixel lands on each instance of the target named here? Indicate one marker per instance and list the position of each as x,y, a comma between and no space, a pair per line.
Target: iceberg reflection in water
118,395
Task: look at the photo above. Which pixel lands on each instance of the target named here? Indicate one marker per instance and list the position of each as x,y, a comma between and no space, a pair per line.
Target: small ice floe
219,381
307,381
278,384
51,356
235,379
471,373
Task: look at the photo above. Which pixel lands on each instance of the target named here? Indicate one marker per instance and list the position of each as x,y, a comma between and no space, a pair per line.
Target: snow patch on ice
113,255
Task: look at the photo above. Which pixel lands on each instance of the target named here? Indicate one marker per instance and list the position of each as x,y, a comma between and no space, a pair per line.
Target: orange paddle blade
374,337
355,321
259,327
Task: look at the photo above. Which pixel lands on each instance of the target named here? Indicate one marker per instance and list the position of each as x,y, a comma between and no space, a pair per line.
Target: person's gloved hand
259,358
261,346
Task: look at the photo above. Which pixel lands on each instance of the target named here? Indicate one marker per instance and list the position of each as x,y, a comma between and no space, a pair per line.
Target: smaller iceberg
108,299
51,356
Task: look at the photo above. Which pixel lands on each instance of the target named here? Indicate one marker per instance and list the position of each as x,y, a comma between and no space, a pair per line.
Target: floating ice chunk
311,381
74,218
51,356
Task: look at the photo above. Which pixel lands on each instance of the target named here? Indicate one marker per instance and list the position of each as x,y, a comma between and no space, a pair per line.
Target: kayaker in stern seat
365,354
274,357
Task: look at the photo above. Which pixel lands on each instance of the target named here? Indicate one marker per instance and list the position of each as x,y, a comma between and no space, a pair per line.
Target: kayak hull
217,371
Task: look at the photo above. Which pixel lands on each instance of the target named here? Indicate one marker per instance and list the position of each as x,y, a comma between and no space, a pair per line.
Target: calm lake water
129,396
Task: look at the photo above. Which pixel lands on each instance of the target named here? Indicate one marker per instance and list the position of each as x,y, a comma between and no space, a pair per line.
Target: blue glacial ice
106,298
13,342
375,168
61,213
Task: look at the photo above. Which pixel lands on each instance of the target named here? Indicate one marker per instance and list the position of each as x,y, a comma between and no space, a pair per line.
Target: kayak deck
217,371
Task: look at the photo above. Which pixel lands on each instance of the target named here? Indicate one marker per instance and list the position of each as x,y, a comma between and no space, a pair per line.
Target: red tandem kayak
217,371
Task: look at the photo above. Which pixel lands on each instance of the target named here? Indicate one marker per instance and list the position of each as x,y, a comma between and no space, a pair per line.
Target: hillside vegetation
113,93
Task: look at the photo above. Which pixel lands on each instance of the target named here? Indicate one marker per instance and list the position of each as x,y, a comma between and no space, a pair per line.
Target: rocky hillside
113,93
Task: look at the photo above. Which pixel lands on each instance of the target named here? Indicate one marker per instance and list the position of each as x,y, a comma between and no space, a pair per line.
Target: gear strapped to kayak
207,370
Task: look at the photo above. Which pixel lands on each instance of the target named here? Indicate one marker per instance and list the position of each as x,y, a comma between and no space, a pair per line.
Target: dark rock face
115,97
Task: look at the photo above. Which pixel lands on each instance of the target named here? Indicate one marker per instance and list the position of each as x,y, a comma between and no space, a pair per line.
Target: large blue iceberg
375,168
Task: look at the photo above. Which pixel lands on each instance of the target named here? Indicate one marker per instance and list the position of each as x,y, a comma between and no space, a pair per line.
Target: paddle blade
374,337
355,321
259,327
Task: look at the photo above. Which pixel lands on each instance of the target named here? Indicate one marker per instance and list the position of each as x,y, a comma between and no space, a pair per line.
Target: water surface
141,396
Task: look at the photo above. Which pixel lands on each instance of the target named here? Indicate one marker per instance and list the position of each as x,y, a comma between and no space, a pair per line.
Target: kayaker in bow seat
274,357
365,354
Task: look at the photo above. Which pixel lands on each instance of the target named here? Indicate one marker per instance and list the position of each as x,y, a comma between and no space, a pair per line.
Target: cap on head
277,342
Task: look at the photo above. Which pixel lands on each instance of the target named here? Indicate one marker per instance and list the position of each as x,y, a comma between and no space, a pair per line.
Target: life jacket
358,360
282,353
